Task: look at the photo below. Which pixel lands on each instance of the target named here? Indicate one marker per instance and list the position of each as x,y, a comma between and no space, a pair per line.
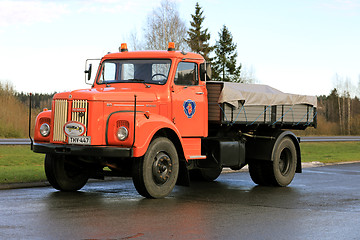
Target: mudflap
183,177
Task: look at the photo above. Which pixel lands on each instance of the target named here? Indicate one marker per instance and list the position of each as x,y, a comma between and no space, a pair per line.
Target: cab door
189,101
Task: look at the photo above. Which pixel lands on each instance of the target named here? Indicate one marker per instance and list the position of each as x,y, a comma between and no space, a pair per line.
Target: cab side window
108,72
187,74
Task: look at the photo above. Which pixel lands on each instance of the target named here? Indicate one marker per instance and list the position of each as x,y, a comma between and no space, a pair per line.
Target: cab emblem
74,129
189,108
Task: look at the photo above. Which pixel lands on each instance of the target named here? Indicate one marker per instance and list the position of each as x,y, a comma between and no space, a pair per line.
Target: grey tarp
258,94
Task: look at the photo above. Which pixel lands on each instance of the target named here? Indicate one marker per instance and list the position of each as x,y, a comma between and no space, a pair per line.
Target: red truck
156,116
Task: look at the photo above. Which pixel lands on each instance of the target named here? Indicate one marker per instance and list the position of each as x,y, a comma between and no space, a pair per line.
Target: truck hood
110,94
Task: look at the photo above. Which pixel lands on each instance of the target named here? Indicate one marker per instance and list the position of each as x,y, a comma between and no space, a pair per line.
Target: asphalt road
331,139
321,203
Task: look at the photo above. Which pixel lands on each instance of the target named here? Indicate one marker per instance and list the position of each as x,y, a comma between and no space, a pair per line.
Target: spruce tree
224,64
198,37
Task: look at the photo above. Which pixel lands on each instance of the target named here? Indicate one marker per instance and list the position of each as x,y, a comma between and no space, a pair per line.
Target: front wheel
63,174
155,174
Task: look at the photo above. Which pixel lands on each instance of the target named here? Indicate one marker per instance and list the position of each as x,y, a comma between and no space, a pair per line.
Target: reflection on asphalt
321,203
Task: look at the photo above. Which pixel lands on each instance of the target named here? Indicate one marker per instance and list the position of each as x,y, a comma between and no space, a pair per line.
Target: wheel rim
71,171
285,161
161,168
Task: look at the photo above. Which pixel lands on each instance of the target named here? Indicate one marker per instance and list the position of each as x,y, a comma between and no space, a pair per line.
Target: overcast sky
296,46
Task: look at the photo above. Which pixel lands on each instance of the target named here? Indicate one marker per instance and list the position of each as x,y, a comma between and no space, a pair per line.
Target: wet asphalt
321,203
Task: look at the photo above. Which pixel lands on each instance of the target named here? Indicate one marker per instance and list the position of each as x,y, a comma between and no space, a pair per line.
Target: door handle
199,93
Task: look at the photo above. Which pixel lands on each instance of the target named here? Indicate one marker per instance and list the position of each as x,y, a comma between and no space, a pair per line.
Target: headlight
122,133
45,130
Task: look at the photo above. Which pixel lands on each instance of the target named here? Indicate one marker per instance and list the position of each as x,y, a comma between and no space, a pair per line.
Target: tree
338,86
331,110
358,88
345,89
198,37
224,64
247,74
164,25
135,43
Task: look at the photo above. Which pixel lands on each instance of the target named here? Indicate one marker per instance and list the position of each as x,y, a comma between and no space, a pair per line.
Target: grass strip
19,164
330,152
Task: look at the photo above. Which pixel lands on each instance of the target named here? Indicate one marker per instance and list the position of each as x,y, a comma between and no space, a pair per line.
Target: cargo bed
256,104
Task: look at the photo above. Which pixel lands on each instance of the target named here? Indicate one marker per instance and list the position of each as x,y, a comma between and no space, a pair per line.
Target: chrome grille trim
80,116
60,118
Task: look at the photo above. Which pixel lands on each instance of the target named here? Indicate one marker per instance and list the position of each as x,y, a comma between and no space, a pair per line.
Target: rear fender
297,146
263,148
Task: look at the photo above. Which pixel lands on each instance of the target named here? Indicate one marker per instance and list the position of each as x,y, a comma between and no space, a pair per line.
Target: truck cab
136,98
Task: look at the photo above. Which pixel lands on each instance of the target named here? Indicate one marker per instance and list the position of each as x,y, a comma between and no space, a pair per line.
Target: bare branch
164,25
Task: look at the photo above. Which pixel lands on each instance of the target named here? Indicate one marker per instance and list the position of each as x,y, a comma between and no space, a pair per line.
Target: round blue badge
189,108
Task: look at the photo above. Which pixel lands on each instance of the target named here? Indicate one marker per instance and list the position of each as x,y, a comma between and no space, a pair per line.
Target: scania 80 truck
157,117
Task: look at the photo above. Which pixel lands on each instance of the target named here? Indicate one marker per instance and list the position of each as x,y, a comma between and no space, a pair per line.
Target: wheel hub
285,159
162,168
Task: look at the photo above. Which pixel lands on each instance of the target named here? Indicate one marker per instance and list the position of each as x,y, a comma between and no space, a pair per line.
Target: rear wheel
259,172
63,174
280,171
284,164
155,174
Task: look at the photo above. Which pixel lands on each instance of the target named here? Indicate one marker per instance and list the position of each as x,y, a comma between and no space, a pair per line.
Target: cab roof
153,54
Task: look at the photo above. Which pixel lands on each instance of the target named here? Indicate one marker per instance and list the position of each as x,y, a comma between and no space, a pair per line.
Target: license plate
82,140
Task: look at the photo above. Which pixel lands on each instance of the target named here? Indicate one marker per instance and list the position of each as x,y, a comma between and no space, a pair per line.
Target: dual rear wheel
281,170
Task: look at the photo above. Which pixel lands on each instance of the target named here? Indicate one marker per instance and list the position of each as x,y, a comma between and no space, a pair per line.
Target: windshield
146,70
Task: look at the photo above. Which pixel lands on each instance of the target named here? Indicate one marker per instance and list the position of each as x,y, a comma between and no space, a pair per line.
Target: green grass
330,152
20,164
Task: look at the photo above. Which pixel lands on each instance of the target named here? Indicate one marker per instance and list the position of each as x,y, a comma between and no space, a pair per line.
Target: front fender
145,129
43,117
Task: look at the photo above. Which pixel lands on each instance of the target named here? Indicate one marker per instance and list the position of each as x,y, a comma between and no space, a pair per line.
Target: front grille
60,118
78,113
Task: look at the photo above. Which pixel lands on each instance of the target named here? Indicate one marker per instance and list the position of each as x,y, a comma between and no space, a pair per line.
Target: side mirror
205,71
89,76
88,72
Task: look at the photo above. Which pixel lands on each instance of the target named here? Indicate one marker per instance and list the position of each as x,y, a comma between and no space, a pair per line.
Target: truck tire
155,174
259,172
280,171
284,162
62,175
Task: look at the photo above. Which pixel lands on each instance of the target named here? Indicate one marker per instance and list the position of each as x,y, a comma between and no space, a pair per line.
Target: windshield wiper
139,80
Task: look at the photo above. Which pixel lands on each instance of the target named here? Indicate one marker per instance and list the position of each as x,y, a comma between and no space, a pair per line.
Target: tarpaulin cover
259,94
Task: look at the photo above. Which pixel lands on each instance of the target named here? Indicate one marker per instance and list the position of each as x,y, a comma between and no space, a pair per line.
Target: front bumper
77,150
